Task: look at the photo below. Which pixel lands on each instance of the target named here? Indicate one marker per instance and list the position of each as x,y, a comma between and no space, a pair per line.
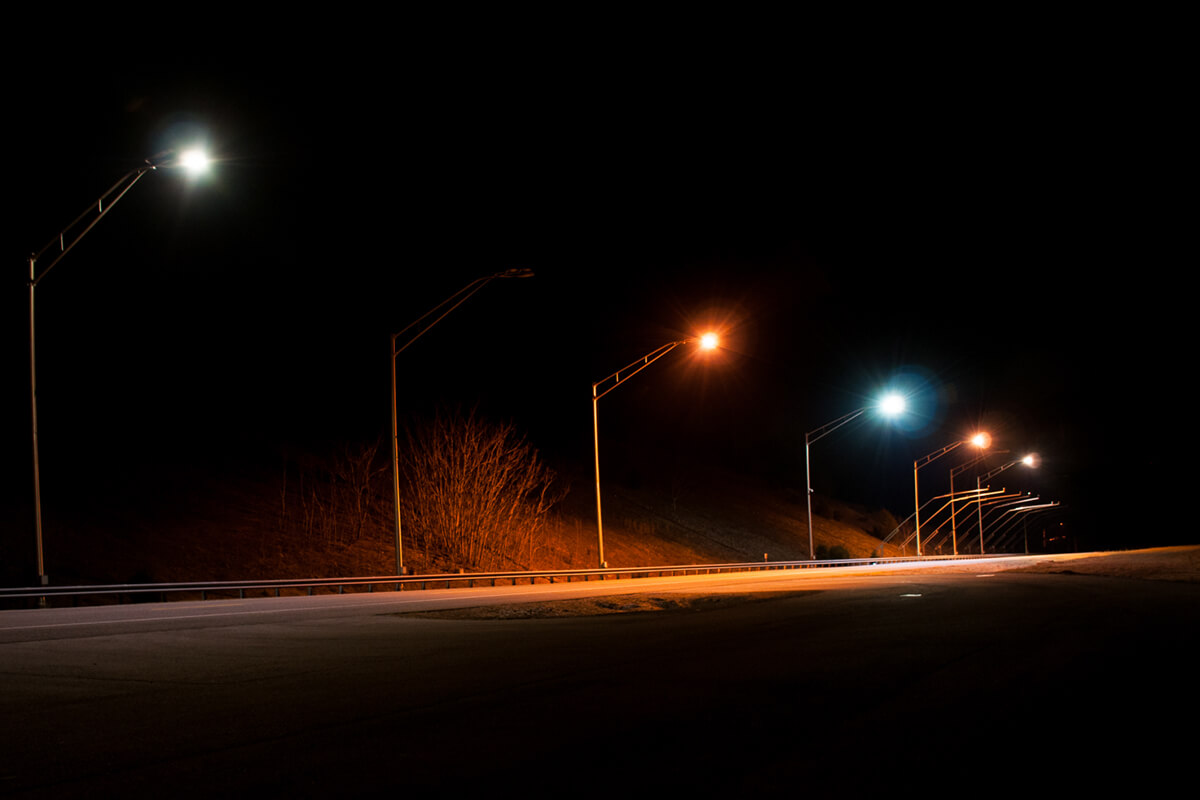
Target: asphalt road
851,685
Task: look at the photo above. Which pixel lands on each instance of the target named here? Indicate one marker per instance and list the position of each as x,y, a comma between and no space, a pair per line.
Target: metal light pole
708,341
1029,461
194,162
890,406
956,471
453,301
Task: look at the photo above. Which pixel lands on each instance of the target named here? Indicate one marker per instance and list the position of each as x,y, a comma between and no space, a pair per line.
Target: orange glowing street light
708,341
193,162
980,440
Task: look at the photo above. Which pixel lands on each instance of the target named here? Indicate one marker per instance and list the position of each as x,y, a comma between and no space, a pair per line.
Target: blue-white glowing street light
892,405
192,162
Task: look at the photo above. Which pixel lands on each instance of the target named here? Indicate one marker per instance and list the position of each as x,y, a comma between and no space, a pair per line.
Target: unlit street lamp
441,310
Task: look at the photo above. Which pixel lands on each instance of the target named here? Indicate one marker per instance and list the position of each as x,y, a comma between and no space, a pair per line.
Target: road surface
823,683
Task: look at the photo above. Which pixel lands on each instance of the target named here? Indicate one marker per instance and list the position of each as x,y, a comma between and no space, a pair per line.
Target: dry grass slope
181,526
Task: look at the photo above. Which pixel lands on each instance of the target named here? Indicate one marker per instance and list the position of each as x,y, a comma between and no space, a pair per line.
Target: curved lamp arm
636,367
458,298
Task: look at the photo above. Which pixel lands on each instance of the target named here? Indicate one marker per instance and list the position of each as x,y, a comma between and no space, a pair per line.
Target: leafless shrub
338,498
476,493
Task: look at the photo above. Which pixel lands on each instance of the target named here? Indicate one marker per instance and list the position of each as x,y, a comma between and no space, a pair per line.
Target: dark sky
991,235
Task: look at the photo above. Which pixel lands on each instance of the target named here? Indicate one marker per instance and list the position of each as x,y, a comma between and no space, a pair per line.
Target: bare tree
477,493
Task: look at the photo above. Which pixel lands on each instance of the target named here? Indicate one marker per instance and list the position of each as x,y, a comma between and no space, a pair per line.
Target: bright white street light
891,406
195,161
44,260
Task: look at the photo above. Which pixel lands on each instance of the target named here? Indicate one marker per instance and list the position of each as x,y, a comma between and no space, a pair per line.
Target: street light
708,341
453,301
980,440
195,161
956,471
890,406
1029,461
64,242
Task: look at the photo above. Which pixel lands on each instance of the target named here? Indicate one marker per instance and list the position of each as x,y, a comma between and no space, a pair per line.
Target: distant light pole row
953,516
193,162
1029,461
980,440
1019,513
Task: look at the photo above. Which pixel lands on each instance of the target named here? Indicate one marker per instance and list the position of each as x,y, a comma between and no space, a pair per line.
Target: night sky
990,239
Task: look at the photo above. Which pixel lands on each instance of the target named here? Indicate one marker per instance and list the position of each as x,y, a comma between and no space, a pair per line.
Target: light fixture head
520,272
892,405
195,161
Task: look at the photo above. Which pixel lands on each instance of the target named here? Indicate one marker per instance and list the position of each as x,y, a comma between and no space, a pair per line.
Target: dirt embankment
1158,564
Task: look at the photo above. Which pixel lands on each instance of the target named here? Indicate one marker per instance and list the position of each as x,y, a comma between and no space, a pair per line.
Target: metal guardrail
205,589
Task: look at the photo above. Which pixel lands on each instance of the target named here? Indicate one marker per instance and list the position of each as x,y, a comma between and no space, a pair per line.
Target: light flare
195,161
892,405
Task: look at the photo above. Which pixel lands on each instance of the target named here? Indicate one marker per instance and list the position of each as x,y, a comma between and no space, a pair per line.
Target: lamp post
442,309
1029,461
193,162
890,406
956,471
708,341
980,440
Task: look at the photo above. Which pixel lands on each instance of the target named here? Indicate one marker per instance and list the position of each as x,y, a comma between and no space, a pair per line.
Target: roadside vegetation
475,495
